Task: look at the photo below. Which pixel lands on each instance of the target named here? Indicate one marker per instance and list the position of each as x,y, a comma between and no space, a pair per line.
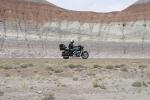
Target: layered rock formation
34,29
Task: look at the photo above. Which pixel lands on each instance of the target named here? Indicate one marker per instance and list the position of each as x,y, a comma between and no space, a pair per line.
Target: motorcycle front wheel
85,55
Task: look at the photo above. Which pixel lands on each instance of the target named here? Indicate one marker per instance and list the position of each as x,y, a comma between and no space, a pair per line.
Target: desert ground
74,79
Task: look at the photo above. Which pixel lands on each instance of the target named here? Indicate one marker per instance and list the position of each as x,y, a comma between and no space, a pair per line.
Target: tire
85,55
66,57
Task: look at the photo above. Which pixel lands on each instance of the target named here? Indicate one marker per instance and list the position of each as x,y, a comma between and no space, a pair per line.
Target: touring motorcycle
77,51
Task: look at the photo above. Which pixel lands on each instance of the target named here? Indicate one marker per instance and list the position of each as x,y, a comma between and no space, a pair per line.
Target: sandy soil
74,79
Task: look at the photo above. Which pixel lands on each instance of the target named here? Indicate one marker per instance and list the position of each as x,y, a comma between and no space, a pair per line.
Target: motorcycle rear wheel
66,57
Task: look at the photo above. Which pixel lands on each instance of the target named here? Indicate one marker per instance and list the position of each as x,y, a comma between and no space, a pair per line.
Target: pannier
62,47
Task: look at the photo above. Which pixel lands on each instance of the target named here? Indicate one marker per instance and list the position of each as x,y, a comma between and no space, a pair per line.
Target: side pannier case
62,47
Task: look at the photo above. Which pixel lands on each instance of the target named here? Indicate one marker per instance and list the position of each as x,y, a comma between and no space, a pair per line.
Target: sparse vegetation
75,78
102,86
1,93
91,74
96,84
58,70
124,69
144,84
106,76
97,66
120,66
78,68
35,71
109,67
50,73
54,69
7,75
5,66
26,65
18,71
142,66
75,66
50,68
49,96
137,84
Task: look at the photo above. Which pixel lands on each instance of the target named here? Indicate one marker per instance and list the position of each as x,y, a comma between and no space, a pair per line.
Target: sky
93,5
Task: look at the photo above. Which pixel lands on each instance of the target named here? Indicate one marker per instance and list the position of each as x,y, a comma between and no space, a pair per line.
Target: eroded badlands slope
34,29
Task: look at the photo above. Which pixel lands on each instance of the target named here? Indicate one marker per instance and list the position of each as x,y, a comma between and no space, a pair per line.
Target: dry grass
6,66
120,66
26,65
74,66
49,96
7,75
109,67
124,69
137,84
142,66
58,70
50,68
54,69
145,84
75,79
96,84
97,66
1,93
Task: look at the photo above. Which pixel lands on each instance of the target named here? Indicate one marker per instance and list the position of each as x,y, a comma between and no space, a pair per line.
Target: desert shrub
35,71
142,66
137,84
46,61
97,66
79,69
7,75
96,84
109,67
75,78
75,66
1,93
26,65
124,69
102,86
18,71
54,69
5,66
144,84
91,74
50,68
50,73
49,96
120,66
58,70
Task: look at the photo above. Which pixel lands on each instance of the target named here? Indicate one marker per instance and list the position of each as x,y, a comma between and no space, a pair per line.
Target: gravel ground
74,79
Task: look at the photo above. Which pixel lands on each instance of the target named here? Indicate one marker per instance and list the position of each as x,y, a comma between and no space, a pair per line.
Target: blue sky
93,5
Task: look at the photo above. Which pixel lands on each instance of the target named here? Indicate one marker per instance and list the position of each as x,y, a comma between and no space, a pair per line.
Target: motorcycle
77,51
